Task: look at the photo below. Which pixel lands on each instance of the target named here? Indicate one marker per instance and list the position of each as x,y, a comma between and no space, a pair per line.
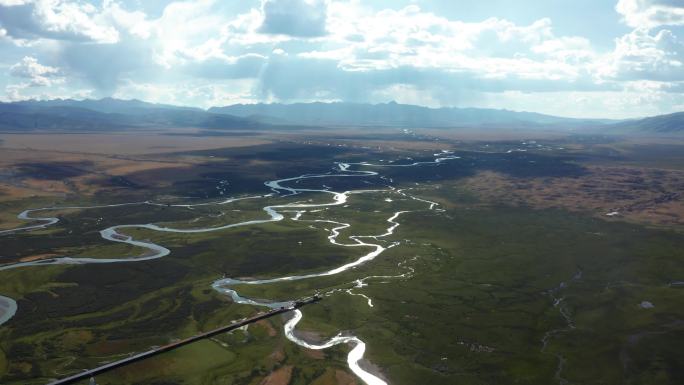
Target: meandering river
226,286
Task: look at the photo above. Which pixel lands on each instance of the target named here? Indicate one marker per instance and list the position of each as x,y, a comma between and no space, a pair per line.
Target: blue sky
582,58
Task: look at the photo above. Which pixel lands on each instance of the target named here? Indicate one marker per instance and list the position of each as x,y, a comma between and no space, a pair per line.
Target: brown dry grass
281,376
102,156
639,195
126,143
335,377
315,354
344,378
37,257
277,355
270,330
9,192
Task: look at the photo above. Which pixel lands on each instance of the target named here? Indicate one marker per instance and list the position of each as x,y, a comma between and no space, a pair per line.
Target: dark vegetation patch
655,352
97,288
213,184
120,181
273,152
642,154
662,155
207,133
525,165
239,175
388,137
339,183
292,153
203,310
168,313
516,164
245,254
19,245
99,320
289,160
53,170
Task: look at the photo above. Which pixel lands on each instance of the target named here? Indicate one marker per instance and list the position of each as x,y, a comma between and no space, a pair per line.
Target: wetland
471,261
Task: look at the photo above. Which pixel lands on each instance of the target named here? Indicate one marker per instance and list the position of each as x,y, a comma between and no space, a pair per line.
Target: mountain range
115,114
111,114
391,115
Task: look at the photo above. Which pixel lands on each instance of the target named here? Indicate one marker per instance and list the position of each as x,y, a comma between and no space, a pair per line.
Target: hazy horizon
296,102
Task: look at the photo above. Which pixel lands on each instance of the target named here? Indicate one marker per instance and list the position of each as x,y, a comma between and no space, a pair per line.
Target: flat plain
522,259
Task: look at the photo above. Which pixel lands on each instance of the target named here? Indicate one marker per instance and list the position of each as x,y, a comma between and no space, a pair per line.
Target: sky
577,58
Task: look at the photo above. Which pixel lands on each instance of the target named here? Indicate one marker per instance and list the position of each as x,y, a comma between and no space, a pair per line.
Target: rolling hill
670,123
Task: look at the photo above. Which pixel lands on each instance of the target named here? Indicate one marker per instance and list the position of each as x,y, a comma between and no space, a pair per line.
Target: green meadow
470,293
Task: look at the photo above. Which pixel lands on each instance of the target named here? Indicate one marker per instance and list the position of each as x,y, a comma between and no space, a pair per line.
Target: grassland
496,286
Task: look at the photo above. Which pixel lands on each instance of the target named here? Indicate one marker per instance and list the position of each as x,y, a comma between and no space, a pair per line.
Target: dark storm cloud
298,18
104,65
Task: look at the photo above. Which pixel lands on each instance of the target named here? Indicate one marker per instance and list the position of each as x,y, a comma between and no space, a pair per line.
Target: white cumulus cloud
643,55
56,19
37,74
651,13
